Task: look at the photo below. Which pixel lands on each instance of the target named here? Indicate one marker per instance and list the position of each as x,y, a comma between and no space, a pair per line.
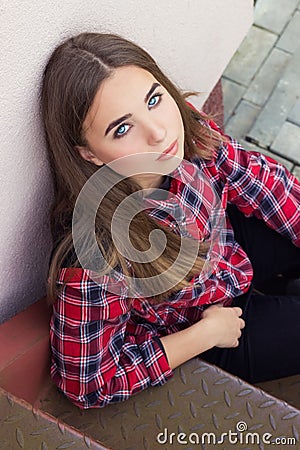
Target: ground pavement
261,84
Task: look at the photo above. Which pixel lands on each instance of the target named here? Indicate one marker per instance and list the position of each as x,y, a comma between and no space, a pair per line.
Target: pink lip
169,152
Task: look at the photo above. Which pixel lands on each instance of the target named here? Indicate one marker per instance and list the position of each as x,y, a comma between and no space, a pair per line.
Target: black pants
270,343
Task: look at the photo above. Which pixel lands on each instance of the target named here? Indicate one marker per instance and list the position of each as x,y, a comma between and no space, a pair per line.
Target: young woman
104,101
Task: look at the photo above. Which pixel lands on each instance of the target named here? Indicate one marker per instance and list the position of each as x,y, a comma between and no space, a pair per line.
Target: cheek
124,148
175,116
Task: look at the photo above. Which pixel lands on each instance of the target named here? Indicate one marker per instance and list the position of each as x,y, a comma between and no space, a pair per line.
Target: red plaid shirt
104,350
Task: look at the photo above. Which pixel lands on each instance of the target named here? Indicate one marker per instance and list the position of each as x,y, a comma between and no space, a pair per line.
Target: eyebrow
127,116
152,89
116,122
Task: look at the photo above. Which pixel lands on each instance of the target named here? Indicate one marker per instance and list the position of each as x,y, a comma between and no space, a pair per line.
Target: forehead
119,95
130,77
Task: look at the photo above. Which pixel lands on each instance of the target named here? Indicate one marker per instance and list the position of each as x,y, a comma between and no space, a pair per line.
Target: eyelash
118,136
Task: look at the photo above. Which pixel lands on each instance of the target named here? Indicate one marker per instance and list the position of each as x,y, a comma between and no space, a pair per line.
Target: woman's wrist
188,343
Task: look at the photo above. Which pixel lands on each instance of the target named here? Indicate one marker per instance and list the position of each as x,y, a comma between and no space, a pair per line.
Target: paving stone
279,105
294,115
289,39
249,146
274,15
267,77
296,172
254,148
232,94
250,55
287,143
241,122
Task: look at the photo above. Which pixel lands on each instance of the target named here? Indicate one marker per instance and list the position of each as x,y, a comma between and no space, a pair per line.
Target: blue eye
155,100
121,131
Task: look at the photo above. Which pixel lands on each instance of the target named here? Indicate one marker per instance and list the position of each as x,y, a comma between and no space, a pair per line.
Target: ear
86,154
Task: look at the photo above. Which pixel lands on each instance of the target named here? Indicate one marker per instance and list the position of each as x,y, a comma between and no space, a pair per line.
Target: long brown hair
71,80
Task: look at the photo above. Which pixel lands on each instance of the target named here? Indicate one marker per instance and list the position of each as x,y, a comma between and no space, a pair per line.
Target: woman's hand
225,325
219,327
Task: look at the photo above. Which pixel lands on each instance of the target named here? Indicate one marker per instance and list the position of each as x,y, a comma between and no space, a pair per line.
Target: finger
236,344
242,324
238,310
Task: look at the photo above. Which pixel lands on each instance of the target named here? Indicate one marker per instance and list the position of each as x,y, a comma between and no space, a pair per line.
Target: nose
156,132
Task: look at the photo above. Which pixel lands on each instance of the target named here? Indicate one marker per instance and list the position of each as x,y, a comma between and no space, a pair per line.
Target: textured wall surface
192,40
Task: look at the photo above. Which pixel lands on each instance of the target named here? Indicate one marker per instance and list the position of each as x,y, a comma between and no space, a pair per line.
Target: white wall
192,40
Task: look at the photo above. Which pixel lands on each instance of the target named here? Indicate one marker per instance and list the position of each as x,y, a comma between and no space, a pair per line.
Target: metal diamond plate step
22,427
199,399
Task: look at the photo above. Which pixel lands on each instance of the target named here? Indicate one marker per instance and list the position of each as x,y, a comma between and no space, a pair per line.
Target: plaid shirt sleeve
260,186
98,357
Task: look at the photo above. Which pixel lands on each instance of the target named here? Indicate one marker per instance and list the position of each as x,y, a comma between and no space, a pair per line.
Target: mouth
169,152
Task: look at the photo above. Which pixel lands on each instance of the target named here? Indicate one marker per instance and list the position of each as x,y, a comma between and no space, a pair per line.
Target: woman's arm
219,327
99,356
260,186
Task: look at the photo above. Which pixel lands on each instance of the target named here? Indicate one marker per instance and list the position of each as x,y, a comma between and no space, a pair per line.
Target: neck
149,181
